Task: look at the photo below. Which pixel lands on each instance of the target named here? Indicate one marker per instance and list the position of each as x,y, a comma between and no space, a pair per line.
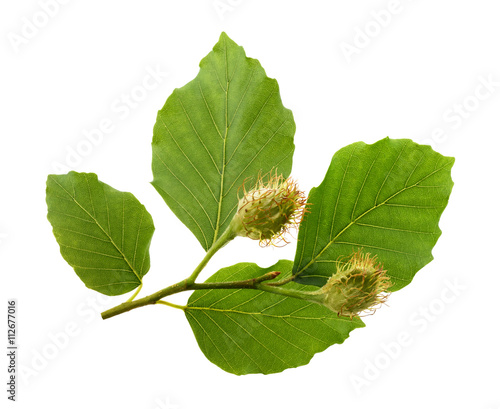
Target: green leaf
251,331
224,127
104,234
385,198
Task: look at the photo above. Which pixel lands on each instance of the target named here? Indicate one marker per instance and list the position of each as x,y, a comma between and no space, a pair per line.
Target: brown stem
184,285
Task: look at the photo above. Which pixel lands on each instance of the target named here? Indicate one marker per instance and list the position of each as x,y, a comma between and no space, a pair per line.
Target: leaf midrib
223,167
226,311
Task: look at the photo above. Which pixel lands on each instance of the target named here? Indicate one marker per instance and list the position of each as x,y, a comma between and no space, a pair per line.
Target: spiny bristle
359,285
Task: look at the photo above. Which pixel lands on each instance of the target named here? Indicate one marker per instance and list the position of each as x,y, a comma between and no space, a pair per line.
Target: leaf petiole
135,293
179,307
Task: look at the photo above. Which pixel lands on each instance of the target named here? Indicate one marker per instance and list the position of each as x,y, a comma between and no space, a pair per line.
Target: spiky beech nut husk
360,284
269,210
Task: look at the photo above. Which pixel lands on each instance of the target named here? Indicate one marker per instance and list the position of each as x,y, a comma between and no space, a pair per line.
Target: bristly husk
269,210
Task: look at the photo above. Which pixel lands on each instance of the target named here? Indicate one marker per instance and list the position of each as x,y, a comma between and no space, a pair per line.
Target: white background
403,80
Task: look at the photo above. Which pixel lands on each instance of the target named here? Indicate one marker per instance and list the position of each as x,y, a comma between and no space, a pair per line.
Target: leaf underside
250,331
385,198
104,234
216,133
